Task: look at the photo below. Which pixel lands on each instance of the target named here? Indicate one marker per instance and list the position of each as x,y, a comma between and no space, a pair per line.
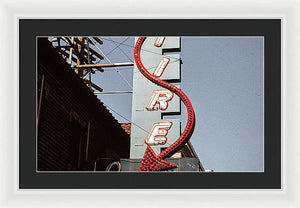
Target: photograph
130,104
150,104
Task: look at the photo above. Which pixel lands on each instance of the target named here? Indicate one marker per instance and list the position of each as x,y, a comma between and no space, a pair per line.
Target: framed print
79,141
228,40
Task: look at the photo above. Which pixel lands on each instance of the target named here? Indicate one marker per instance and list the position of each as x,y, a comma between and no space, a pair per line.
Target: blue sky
223,78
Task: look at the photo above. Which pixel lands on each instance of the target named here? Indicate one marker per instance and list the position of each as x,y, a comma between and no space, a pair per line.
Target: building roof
126,127
48,54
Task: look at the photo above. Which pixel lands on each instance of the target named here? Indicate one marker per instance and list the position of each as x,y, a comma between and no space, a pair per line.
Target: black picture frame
29,29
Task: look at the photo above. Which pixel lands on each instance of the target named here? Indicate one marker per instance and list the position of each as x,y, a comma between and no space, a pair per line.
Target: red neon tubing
190,125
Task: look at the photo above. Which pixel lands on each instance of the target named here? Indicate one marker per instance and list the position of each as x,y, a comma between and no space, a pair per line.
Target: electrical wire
116,69
128,120
125,118
122,50
141,49
117,46
156,66
126,68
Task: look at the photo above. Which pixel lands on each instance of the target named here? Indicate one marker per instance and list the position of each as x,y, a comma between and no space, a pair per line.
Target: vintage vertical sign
151,102
159,71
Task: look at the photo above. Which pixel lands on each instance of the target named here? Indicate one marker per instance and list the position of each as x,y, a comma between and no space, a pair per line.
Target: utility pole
88,57
80,50
84,59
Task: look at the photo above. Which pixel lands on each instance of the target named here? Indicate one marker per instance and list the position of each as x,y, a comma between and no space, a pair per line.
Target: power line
114,67
129,120
126,118
122,50
117,46
141,49
126,68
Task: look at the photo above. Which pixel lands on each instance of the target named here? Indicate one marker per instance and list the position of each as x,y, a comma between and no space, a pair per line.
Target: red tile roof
126,127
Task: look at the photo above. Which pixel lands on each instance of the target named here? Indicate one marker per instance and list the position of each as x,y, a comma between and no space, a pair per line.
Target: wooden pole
80,50
71,52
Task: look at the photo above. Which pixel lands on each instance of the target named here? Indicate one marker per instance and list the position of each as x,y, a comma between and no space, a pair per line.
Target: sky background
223,78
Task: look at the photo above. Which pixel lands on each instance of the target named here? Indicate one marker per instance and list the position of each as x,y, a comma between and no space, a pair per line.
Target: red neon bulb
151,162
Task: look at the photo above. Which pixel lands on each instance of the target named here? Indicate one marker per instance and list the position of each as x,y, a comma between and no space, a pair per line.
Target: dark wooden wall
67,108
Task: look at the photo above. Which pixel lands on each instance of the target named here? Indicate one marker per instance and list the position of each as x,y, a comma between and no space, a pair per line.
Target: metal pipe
95,164
117,163
113,92
104,65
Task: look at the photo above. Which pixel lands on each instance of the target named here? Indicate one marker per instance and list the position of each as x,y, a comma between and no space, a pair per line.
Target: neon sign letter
161,67
157,134
161,97
159,41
